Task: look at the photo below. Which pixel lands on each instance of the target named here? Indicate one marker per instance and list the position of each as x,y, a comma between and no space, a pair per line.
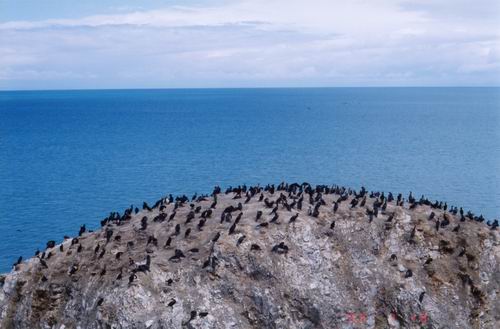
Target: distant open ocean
70,157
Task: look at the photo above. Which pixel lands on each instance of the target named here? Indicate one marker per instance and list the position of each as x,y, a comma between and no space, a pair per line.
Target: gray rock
327,278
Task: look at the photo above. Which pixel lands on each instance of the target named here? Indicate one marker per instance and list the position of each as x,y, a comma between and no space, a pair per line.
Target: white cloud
274,42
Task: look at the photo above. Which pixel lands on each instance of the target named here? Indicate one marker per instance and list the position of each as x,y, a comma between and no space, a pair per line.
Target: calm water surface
71,157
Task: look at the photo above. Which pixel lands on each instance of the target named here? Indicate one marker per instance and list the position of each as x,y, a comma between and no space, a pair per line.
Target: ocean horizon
70,157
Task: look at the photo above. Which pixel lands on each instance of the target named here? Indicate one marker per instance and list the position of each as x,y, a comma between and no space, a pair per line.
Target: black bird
145,206
109,234
431,216
19,261
259,215
192,315
144,223
354,203
61,248
255,247
428,261
370,217
170,281
232,228
152,240
203,314
335,207
178,254
281,248
73,270
216,237
293,218
177,229
44,264
169,240
201,223
421,297
118,255
332,225
194,250
437,225
102,253
223,216
190,216
265,224
144,267
238,218
408,273
240,240
131,278
96,250
186,234
82,230
274,219
100,301
172,302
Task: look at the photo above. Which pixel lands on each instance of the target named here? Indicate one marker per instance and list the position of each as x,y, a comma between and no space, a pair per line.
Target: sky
94,44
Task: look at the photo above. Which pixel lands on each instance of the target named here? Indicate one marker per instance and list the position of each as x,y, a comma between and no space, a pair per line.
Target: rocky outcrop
375,264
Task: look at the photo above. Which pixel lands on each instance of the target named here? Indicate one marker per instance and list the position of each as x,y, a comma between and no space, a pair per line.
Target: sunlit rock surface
356,273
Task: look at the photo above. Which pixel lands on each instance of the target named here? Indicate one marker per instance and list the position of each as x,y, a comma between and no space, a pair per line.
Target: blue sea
70,157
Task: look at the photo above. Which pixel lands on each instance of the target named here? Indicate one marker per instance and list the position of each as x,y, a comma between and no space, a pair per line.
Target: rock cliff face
376,264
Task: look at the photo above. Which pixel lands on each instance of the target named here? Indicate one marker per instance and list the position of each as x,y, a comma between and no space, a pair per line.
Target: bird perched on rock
240,240
255,247
232,228
216,237
280,248
144,267
131,278
421,296
178,254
